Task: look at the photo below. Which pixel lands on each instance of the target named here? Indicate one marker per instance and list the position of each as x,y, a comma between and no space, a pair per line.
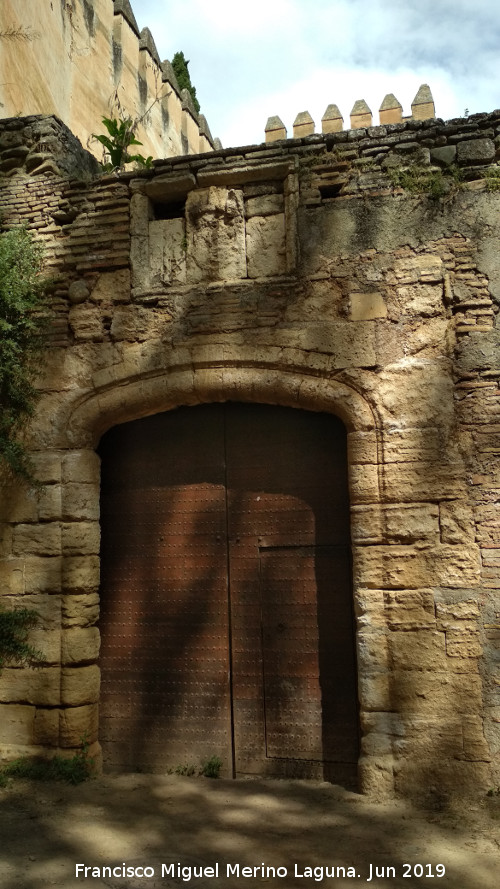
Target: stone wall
300,274
83,56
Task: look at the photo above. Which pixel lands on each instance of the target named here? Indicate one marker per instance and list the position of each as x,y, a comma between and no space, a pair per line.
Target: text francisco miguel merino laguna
192,872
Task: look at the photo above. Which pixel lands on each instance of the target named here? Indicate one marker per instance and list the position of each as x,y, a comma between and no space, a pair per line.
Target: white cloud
250,61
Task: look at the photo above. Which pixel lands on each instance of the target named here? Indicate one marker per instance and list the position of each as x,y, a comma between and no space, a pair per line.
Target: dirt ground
145,821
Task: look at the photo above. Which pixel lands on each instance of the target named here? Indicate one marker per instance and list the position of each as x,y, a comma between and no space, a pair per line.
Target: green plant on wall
181,70
420,180
492,177
23,321
117,143
14,628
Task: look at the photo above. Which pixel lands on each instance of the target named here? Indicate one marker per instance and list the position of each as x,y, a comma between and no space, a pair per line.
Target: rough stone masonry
299,274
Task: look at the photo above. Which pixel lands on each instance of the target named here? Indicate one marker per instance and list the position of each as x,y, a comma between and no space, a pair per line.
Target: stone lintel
244,174
168,188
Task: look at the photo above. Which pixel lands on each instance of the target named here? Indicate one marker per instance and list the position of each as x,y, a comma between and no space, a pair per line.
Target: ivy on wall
23,321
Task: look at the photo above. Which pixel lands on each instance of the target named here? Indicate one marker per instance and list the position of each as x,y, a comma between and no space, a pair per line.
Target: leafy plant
23,321
187,770
117,143
492,176
14,628
73,770
181,70
421,180
211,768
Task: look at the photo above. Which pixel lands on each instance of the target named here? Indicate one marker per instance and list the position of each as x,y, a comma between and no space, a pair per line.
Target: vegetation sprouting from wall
23,320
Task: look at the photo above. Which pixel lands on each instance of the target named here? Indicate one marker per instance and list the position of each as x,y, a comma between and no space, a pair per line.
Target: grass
209,769
437,184
73,770
492,176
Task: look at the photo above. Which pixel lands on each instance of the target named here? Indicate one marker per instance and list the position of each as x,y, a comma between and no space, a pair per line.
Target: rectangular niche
225,225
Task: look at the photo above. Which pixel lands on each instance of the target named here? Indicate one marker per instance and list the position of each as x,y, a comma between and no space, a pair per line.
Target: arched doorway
227,624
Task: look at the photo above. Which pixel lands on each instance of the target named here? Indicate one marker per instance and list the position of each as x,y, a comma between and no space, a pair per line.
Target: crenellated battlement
89,60
390,111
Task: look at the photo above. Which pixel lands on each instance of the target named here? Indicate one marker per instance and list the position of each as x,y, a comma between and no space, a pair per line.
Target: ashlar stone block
407,567
80,685
37,539
23,685
80,501
80,538
80,610
42,574
264,205
464,644
428,692
373,652
16,723
77,723
266,246
409,609
80,574
12,576
48,608
421,481
456,522
367,306
112,287
418,650
167,251
48,643
403,523
215,235
80,645
81,467
369,608
86,323
376,775
46,727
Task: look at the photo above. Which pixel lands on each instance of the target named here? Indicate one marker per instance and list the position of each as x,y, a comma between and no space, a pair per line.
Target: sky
252,60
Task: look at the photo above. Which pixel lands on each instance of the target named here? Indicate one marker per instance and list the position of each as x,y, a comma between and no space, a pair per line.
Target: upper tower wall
86,60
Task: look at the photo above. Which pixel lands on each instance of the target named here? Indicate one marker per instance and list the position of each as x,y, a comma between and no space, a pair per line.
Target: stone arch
127,398
131,397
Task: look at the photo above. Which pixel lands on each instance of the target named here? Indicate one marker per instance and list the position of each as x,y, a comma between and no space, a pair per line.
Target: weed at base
187,770
73,770
211,768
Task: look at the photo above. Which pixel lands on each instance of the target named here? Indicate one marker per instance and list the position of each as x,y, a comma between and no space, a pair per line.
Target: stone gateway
285,362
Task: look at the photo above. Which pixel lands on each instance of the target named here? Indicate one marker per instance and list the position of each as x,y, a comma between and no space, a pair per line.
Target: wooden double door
226,606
